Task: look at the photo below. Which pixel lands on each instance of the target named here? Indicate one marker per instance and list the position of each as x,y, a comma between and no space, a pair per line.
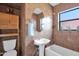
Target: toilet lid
10,53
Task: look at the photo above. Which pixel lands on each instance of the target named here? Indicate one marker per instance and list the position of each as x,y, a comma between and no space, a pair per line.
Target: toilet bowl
10,53
9,47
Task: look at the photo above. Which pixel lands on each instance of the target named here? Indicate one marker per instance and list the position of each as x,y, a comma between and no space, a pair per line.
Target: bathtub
56,50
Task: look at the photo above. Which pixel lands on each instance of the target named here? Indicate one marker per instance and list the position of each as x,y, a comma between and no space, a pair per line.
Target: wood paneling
13,5
8,21
4,20
14,21
64,38
8,9
22,30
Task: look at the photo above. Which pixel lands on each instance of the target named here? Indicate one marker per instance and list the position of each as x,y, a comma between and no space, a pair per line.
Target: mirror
38,15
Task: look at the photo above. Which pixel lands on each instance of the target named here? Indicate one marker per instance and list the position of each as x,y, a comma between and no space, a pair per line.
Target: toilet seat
10,53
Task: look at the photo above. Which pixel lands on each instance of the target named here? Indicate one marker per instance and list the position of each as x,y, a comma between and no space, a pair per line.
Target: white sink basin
41,41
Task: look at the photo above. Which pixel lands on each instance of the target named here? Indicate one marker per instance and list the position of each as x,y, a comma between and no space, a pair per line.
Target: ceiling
13,5
54,4
18,5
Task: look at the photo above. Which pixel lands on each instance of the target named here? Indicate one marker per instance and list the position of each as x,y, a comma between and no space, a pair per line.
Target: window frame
59,22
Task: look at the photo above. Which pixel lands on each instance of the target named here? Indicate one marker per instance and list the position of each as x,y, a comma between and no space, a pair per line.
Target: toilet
9,47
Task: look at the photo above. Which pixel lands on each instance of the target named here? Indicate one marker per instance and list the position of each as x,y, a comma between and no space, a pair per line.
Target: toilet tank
9,44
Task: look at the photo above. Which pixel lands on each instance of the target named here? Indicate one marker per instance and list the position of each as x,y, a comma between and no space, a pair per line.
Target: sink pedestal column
41,43
41,50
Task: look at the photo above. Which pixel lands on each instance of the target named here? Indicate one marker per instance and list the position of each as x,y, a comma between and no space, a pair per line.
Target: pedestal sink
41,43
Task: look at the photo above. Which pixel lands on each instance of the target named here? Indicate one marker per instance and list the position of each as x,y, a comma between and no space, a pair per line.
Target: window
69,19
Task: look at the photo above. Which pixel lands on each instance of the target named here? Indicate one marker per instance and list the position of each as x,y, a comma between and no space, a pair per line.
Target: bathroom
63,38
40,29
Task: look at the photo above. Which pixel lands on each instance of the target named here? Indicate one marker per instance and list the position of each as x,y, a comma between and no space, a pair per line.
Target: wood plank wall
22,30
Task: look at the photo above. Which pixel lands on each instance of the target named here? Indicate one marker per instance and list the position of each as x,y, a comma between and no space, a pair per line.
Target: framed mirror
38,15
